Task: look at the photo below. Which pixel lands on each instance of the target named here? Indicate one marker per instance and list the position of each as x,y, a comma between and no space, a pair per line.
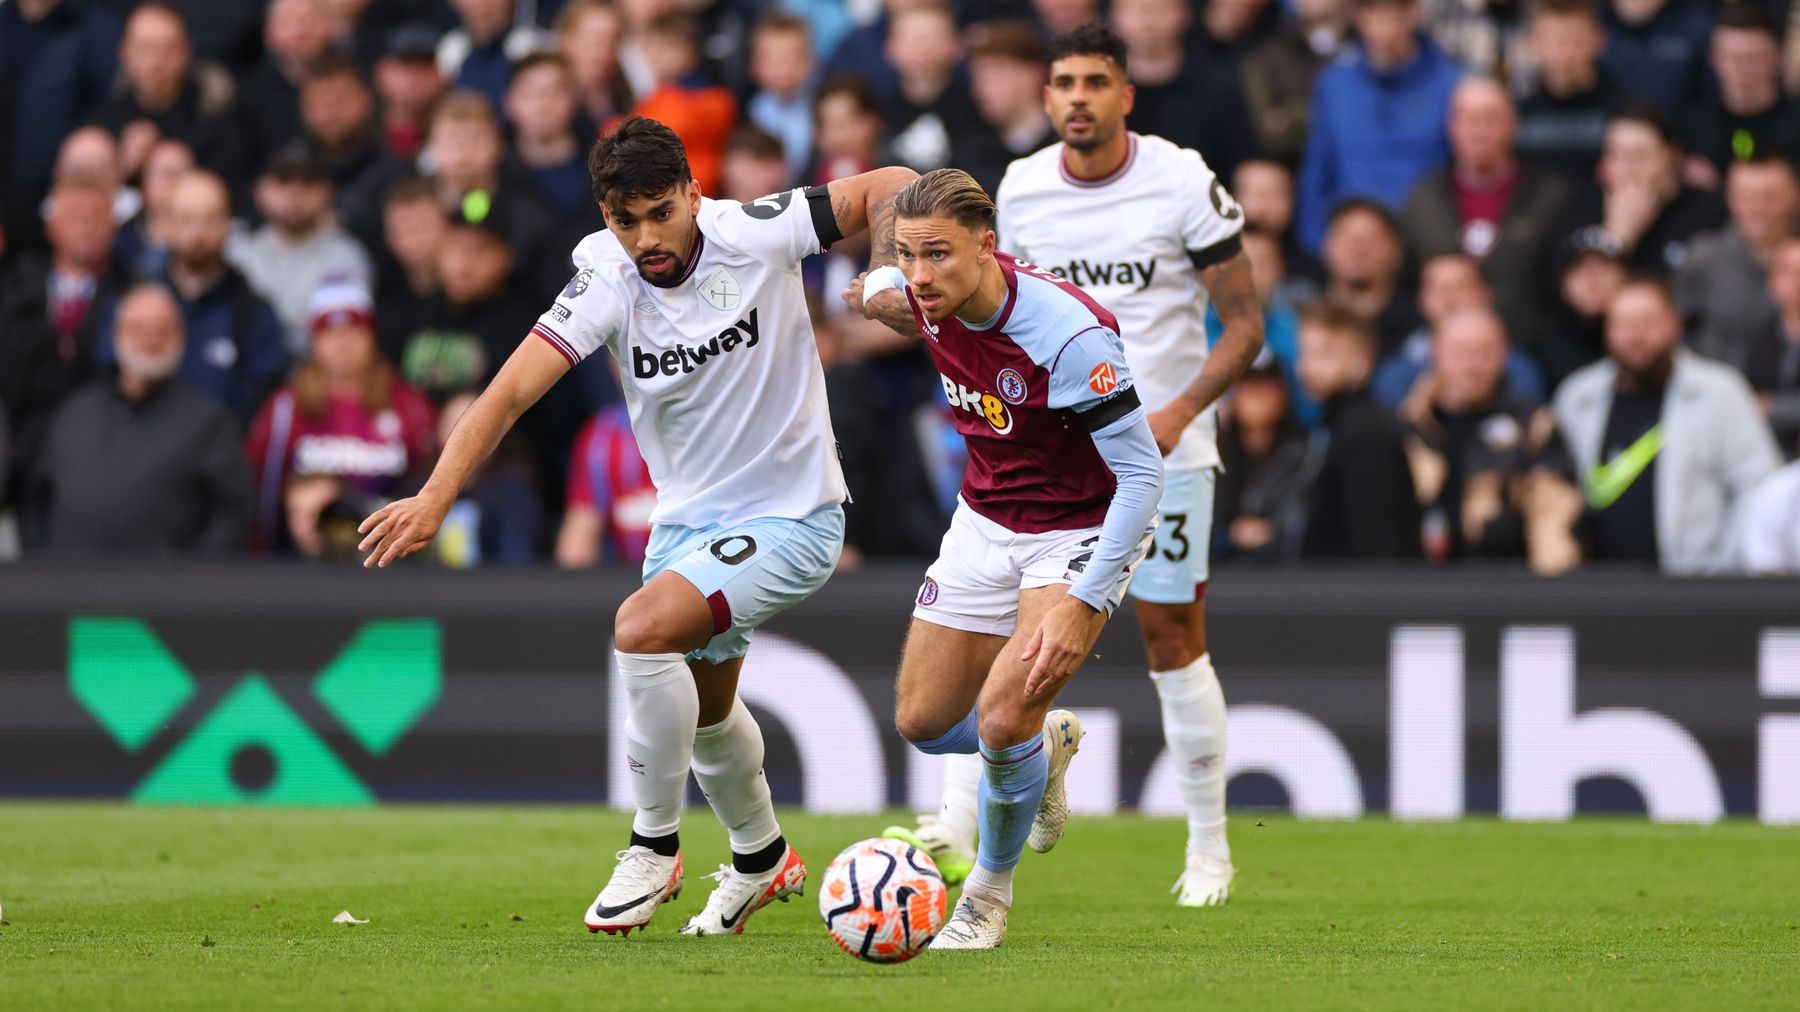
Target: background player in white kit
1147,229
701,302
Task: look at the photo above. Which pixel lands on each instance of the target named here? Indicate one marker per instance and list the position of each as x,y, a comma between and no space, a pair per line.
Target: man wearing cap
409,82
300,244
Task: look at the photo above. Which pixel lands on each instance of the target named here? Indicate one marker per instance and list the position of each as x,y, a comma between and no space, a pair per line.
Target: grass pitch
194,908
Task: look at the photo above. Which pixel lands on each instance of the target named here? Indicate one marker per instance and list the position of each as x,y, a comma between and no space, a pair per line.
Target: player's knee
637,631
1169,653
1006,727
917,727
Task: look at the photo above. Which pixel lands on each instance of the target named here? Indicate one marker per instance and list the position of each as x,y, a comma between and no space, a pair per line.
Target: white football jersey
1134,241
721,372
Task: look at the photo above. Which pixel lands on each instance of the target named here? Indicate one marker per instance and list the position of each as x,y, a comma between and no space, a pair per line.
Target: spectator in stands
1260,509
413,225
1665,444
1656,51
57,62
606,514
1749,116
490,35
143,241
754,165
849,130
481,317
1361,503
1228,31
140,461
1449,285
55,306
1773,361
587,35
684,99
1378,116
1563,117
1487,206
1265,190
1644,208
540,105
90,156
860,53
1723,287
166,94
409,84
345,432
343,136
1467,442
296,35
781,68
1006,78
1362,257
474,181
299,246
1278,77
1593,274
931,114
233,348
1193,101
1770,540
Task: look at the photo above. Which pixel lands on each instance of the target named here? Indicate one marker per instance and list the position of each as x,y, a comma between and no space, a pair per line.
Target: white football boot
1205,883
1062,739
643,881
738,895
978,923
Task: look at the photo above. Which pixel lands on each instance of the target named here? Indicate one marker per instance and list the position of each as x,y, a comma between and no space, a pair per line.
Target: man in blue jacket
1378,116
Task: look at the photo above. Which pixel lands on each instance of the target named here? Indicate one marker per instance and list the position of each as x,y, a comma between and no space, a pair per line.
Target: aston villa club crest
1012,386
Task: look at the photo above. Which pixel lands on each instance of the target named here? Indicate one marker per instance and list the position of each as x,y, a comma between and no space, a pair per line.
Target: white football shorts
982,567
1176,565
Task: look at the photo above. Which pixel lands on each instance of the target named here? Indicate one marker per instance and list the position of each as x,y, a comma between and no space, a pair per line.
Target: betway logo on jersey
1136,273
683,359
984,404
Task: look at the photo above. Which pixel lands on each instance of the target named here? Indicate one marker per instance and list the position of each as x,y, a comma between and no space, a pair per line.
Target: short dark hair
410,189
755,142
1358,205
1567,9
852,86
1745,17
641,158
1656,283
541,58
332,65
1652,117
1334,318
1007,39
1096,38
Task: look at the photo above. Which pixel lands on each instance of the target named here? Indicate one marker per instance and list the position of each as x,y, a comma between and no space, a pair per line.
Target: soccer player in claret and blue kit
1058,504
702,304
1145,227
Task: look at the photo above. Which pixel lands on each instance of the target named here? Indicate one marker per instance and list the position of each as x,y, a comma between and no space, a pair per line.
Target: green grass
141,907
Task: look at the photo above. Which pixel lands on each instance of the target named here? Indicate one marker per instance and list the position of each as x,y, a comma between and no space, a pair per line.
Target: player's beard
669,278
1094,141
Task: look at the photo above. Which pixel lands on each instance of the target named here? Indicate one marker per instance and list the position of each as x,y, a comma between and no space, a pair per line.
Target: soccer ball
883,900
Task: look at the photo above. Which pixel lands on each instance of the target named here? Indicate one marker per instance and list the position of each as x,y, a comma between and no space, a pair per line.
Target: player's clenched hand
400,528
1062,639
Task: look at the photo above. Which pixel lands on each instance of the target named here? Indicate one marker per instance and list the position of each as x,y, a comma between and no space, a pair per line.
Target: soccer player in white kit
1147,229
701,302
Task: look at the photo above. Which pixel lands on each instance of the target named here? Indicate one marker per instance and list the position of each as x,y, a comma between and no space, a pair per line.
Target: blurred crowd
1531,268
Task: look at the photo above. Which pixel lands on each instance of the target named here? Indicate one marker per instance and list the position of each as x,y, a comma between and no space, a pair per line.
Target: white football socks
961,811
1193,713
663,706
728,762
993,886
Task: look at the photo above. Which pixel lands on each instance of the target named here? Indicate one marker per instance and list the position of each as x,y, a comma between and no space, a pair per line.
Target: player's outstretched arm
1239,307
405,526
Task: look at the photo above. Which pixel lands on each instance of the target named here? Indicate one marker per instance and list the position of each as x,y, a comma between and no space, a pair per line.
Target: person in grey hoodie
1666,445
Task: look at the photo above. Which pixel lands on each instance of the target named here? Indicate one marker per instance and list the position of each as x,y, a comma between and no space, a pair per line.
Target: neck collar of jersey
1131,147
1001,315
693,258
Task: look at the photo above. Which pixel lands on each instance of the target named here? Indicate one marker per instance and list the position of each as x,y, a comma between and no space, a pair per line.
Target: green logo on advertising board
253,748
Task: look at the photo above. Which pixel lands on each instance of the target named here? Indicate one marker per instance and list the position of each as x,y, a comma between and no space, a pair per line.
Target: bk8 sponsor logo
984,404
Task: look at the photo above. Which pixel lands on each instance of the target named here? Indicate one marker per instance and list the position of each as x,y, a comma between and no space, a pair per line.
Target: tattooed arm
1240,310
867,201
